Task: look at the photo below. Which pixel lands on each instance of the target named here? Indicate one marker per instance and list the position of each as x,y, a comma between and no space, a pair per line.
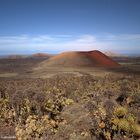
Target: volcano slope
80,59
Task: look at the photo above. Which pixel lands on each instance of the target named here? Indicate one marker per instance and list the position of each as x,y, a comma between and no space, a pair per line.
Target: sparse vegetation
71,107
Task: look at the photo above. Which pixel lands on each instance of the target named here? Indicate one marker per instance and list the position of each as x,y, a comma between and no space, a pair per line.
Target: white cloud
86,39
54,43
112,37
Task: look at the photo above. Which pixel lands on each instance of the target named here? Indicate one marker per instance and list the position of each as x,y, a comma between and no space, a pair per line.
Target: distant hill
112,54
80,58
16,56
41,55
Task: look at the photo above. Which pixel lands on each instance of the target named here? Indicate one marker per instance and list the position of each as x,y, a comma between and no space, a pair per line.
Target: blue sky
53,26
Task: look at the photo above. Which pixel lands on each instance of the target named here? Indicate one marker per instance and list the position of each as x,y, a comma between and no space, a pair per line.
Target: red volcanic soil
77,58
41,55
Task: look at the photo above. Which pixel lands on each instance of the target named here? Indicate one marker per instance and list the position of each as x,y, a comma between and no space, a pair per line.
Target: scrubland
71,107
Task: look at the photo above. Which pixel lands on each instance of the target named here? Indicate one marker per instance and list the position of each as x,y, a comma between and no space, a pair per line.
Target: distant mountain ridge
113,54
16,56
41,55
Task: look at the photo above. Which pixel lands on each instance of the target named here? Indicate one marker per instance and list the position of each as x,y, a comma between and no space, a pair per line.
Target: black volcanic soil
18,65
